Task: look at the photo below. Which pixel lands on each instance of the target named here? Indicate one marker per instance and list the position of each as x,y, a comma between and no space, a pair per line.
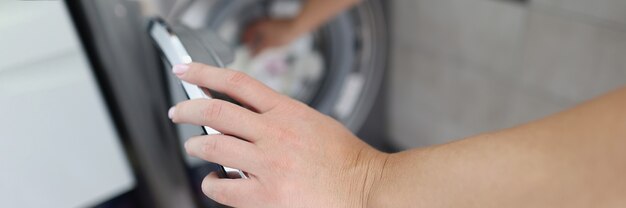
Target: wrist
370,167
376,180
396,185
301,24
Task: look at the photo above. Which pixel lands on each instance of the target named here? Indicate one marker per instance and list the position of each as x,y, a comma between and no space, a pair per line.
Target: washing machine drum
336,69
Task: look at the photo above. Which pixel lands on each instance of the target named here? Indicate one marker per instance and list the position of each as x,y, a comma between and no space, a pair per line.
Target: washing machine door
337,69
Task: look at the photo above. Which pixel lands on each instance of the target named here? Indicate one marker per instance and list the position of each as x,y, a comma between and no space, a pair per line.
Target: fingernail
180,69
170,112
187,147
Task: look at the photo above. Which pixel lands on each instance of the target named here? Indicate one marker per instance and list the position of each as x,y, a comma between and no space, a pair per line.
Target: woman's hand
294,155
297,157
270,33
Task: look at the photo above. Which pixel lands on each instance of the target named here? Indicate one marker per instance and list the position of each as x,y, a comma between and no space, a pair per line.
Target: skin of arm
317,12
268,33
576,158
298,157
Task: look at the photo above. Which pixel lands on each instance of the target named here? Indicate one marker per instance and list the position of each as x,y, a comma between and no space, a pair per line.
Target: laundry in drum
287,69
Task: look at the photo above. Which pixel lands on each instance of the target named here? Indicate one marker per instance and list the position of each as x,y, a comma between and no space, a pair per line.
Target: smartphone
182,45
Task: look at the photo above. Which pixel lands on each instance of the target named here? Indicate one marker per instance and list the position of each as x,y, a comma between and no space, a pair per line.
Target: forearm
573,159
316,12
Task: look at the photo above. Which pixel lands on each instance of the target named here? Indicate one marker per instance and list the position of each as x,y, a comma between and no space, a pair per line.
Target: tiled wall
461,67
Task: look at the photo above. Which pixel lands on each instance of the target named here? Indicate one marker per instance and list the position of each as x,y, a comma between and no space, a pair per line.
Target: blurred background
84,93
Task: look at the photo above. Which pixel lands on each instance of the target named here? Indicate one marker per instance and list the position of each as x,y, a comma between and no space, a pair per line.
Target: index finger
235,84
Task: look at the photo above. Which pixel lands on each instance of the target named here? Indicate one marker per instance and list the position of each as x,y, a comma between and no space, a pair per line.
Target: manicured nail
170,113
180,69
187,147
